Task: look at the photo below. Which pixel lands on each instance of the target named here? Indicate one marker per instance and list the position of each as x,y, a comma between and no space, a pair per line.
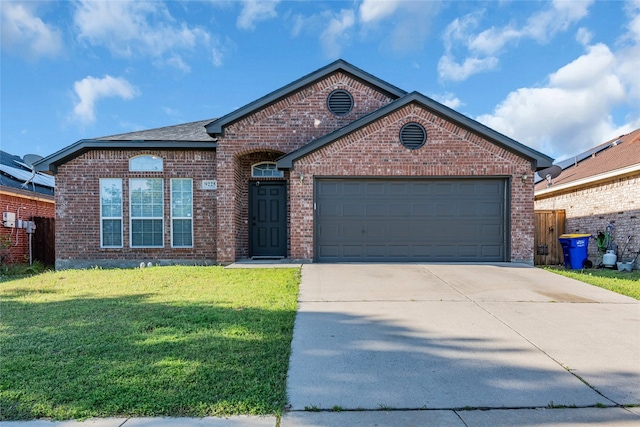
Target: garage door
411,220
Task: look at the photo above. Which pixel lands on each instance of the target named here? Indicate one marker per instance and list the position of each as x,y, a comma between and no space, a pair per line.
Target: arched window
145,163
266,170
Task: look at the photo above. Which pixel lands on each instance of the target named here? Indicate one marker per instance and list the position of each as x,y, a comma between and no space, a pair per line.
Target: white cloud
452,70
584,36
255,10
336,35
404,25
407,22
547,23
133,28
571,113
91,89
376,10
25,33
483,48
448,99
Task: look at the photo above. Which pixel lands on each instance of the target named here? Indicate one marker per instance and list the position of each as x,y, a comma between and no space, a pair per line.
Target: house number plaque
209,184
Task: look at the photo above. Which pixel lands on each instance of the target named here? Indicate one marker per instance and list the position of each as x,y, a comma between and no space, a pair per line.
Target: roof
14,173
538,160
615,157
194,131
183,136
216,127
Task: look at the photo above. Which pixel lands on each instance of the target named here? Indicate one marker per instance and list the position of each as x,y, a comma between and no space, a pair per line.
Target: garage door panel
376,209
353,209
399,210
421,188
352,251
374,189
399,189
422,209
410,220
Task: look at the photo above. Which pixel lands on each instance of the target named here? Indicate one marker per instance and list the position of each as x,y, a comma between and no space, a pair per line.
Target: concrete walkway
449,345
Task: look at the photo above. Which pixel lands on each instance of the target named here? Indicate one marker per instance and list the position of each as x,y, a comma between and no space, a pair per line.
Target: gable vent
413,136
340,102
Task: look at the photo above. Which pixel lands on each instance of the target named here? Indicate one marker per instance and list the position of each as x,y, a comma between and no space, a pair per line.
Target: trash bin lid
574,236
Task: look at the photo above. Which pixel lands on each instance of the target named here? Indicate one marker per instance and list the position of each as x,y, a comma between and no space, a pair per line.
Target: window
110,213
147,227
145,164
266,170
181,213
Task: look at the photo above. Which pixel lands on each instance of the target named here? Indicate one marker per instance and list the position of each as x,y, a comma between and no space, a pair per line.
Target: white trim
190,218
589,180
102,218
131,218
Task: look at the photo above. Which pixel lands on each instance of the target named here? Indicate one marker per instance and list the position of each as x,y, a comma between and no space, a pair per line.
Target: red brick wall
376,151
78,208
30,205
222,215
281,127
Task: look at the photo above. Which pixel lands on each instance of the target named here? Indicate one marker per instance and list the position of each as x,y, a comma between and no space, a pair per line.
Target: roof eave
51,163
216,127
538,160
579,183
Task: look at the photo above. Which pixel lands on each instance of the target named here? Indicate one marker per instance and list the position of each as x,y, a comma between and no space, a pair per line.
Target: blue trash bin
575,250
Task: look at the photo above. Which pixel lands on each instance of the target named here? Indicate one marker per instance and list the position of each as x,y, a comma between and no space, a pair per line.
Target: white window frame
141,217
115,183
189,216
275,173
146,163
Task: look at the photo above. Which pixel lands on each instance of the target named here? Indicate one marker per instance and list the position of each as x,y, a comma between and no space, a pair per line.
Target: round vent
413,136
340,102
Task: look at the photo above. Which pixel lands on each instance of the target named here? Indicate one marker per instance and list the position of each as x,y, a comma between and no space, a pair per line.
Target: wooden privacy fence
549,225
43,243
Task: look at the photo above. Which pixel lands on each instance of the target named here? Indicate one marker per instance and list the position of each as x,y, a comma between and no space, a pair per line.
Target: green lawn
160,341
622,282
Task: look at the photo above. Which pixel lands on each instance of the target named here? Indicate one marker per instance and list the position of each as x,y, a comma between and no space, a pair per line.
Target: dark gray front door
411,220
267,219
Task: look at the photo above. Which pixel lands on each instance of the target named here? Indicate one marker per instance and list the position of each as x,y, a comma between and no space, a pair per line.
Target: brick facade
296,117
26,205
589,209
376,151
280,128
78,209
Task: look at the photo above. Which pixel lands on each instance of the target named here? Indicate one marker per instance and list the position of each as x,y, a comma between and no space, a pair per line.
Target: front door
267,219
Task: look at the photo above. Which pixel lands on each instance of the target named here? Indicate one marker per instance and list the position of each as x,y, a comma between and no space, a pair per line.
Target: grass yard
625,283
159,341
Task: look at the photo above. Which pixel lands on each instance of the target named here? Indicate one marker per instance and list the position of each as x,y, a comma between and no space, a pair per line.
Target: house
336,166
596,188
24,196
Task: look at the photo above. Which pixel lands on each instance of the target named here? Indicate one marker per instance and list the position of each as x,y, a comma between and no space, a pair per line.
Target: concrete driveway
426,336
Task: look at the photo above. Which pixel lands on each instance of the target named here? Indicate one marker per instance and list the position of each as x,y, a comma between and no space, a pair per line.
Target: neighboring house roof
538,160
14,173
616,157
216,127
183,136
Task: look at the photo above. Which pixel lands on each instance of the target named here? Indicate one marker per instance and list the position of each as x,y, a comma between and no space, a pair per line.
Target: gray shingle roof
183,136
194,131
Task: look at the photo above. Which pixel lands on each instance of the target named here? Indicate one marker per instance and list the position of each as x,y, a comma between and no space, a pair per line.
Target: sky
557,76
